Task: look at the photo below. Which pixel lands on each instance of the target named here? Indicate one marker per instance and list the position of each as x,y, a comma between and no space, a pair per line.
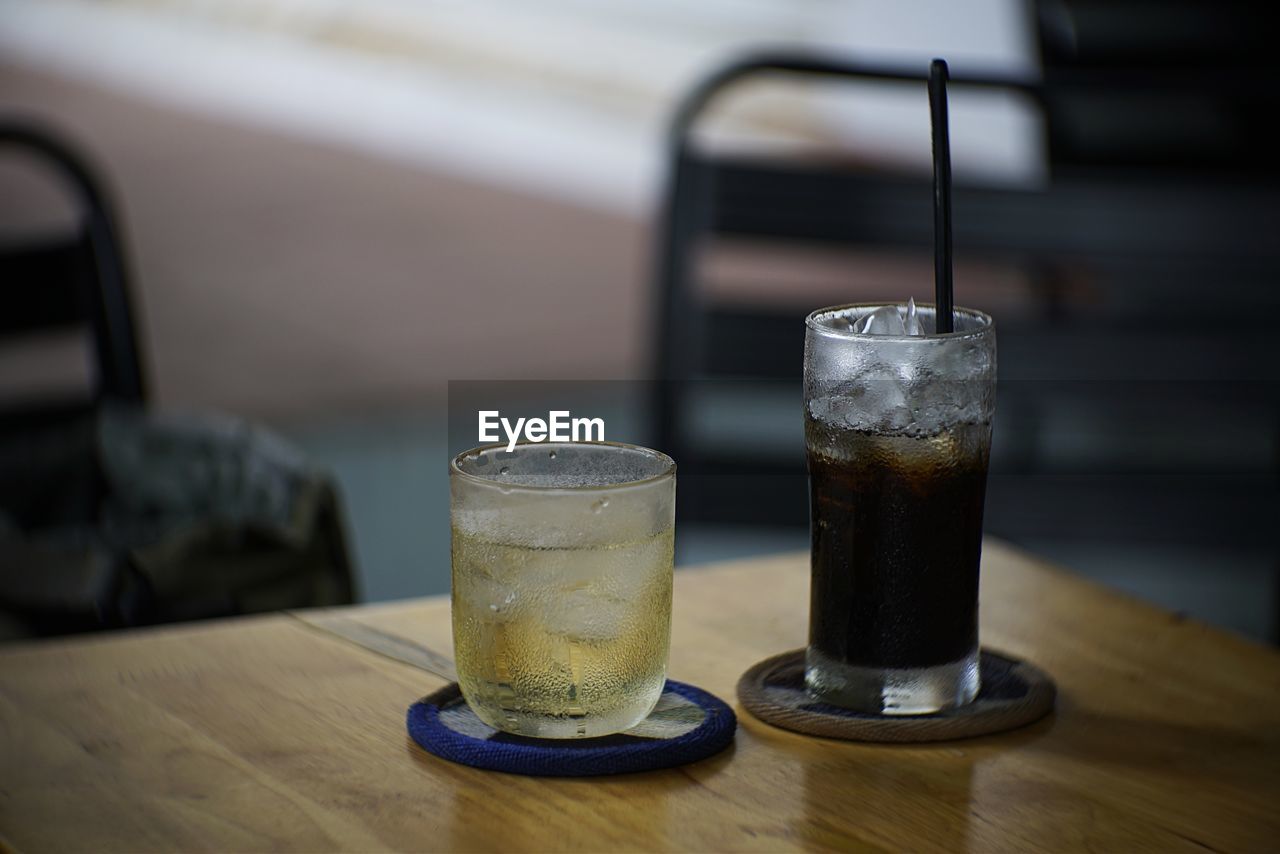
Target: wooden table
287,731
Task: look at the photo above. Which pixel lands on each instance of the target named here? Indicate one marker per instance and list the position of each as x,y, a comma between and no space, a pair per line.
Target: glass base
890,690
496,705
559,726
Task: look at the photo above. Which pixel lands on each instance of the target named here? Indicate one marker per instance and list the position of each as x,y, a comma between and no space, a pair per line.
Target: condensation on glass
562,571
898,436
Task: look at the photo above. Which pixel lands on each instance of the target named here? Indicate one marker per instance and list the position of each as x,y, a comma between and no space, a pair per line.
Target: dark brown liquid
897,537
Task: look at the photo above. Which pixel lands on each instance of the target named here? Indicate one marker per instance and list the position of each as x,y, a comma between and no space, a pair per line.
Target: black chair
75,280
111,515
72,281
1150,241
1214,105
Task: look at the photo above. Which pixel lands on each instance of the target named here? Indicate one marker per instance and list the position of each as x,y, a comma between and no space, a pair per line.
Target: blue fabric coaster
688,724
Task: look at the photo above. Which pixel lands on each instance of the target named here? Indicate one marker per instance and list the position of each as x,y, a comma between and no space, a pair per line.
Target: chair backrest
76,279
1215,99
1155,239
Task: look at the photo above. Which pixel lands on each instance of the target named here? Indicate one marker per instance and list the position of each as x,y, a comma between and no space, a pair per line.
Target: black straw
943,287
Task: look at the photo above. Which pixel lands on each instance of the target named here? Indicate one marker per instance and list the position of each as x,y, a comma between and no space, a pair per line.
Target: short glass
562,571
897,437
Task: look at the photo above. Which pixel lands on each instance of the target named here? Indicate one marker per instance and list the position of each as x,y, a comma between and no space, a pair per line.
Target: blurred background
326,212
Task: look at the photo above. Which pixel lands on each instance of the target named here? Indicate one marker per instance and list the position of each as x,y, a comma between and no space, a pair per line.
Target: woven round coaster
688,724
1013,694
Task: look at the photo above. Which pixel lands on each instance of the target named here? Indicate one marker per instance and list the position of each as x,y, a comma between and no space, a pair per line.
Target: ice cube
883,321
911,324
485,597
883,403
585,614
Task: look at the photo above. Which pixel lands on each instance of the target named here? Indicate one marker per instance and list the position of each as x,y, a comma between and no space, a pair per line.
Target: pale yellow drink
562,571
559,642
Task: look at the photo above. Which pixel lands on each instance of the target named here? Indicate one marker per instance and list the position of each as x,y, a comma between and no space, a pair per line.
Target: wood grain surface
287,732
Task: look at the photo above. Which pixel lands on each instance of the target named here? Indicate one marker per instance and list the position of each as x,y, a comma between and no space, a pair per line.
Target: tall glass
897,435
562,559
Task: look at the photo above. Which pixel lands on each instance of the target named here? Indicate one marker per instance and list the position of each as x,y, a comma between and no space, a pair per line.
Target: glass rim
811,322
668,467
